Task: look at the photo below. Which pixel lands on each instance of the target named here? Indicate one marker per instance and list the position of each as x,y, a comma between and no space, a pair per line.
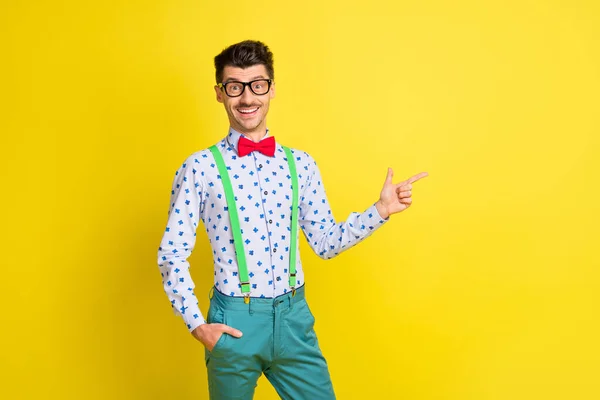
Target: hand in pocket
209,334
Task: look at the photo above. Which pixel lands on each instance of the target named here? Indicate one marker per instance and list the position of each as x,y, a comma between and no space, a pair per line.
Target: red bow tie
266,146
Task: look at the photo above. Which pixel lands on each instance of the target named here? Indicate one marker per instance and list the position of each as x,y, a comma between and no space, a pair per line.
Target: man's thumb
390,175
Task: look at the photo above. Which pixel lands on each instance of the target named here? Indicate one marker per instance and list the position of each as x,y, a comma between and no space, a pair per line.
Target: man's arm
178,243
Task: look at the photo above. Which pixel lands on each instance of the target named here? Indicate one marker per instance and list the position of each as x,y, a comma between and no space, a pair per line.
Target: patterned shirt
263,194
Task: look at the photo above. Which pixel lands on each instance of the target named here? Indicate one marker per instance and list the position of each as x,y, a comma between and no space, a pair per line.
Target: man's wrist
195,323
198,331
382,210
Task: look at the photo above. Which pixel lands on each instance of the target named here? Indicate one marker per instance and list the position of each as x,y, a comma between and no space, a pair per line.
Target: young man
252,194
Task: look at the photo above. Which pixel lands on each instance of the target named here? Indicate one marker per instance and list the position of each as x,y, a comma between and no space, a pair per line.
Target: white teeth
247,111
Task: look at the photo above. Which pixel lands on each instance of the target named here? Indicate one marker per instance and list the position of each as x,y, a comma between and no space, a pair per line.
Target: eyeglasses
235,88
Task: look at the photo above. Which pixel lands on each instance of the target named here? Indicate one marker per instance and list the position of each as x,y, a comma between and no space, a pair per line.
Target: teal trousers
278,340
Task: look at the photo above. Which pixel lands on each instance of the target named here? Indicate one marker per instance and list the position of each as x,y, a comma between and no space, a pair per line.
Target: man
252,194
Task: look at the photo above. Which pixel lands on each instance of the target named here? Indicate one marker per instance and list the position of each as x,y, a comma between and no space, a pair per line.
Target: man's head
245,85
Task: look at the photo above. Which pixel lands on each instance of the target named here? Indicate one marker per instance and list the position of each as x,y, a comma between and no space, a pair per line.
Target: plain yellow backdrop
496,285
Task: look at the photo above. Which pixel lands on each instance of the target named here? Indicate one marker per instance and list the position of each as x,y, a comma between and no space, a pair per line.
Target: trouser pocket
216,315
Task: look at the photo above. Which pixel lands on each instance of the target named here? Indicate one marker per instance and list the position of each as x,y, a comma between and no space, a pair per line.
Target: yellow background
495,289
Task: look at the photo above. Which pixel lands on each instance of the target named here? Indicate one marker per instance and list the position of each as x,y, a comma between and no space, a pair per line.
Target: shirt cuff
373,219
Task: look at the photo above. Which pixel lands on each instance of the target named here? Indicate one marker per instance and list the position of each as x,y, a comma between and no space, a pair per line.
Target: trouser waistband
257,303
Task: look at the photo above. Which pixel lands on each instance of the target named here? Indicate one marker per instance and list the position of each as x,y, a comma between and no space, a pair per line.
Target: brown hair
243,55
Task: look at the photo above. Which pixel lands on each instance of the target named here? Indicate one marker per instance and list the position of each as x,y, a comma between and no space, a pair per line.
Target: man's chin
247,128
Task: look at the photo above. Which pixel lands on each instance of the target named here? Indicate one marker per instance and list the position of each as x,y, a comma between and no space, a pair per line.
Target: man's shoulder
203,154
301,155
197,156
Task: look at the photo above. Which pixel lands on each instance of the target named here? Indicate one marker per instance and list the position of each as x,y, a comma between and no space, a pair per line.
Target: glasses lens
233,88
260,86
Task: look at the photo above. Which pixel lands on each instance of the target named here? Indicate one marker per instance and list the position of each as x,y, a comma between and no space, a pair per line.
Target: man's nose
247,96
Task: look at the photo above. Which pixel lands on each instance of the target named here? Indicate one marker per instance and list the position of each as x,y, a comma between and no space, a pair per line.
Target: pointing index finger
417,177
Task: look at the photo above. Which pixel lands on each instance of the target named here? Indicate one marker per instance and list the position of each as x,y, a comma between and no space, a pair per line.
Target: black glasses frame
223,87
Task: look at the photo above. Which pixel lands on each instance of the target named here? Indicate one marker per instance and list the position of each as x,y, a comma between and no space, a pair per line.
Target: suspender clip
246,292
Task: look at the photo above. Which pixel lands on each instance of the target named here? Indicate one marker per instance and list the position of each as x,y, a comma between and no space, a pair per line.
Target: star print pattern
263,194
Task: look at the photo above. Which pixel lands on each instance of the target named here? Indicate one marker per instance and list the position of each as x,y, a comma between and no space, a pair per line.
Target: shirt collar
233,137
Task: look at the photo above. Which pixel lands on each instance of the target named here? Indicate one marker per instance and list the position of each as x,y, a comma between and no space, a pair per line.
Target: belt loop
250,311
290,300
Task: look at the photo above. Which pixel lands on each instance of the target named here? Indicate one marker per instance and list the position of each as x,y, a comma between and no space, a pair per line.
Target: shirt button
265,192
270,221
259,165
275,250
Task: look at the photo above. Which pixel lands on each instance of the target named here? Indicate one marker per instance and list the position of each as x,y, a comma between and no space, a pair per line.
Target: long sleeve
326,237
178,243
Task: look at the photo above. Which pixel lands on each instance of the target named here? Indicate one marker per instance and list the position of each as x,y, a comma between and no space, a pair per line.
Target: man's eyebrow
237,80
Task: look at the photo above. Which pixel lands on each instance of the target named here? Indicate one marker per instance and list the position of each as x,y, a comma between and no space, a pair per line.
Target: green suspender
294,233
235,221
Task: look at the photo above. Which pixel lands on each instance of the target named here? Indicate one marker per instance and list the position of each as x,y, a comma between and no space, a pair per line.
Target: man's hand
396,197
209,334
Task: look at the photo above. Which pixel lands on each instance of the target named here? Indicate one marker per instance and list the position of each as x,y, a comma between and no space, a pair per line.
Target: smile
247,111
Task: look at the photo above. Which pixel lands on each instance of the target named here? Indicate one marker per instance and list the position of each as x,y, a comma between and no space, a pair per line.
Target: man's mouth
250,111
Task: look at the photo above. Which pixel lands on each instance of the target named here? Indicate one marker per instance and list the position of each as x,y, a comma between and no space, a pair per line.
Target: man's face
247,113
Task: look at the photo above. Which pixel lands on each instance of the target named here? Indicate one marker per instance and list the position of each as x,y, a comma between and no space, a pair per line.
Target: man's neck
255,136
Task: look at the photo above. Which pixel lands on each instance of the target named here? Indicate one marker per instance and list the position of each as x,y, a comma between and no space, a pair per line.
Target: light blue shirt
263,194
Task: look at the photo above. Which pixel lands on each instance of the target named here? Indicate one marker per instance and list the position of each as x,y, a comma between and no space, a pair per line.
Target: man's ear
272,91
219,93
